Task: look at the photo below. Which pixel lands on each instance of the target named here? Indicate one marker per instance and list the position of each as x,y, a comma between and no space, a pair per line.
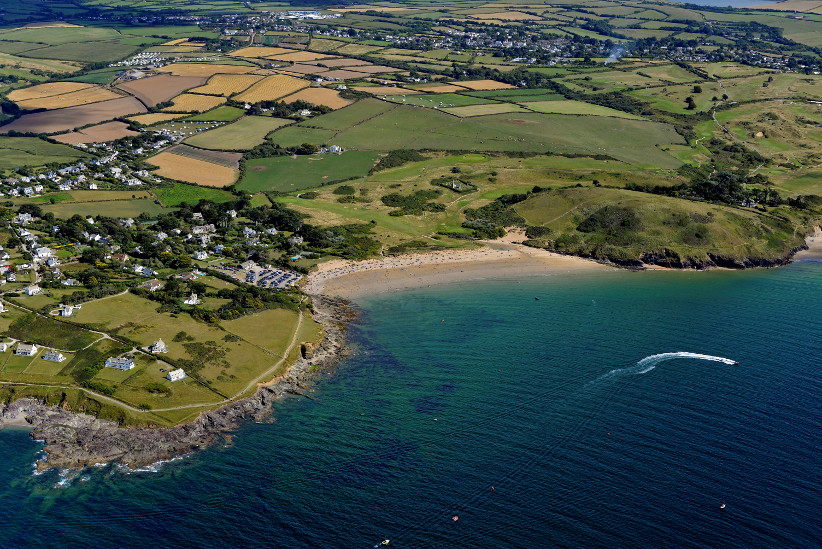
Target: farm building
176,375
26,349
54,356
119,363
158,347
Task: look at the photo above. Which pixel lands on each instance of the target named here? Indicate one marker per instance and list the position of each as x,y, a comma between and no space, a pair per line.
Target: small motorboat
722,506
735,363
386,542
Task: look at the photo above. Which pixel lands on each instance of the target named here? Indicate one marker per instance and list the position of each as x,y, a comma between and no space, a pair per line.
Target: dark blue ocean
536,422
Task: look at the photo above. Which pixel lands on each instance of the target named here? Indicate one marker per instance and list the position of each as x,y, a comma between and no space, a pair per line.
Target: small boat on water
386,542
735,363
722,506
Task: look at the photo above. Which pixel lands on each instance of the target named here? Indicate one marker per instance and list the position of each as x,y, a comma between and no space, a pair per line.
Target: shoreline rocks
76,440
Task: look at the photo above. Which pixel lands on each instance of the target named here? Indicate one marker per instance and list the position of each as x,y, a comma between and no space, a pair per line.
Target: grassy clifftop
631,227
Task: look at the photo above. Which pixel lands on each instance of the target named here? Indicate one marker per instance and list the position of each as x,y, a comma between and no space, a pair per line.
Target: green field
16,152
244,134
116,208
180,192
287,174
576,107
87,52
51,333
414,128
437,100
218,114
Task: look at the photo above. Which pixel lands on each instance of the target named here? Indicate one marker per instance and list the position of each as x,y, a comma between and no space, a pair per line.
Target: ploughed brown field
156,89
73,117
108,131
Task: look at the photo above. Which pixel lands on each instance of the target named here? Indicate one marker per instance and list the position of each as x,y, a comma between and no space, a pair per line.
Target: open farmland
271,88
74,117
85,96
155,118
204,69
244,134
319,96
287,174
219,114
576,107
189,102
179,193
108,131
160,88
33,151
114,208
260,51
85,52
227,84
414,128
227,159
342,74
479,110
297,56
200,172
384,90
483,85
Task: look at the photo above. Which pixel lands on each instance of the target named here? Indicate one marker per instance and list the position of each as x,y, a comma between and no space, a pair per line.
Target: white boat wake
650,362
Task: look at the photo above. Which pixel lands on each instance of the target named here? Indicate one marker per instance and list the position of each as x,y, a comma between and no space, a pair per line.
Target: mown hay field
244,134
271,88
203,69
319,96
41,91
227,84
261,51
160,88
200,172
189,102
84,96
297,56
344,62
437,88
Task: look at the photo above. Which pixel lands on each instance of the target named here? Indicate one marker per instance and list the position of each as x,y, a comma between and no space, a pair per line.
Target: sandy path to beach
498,259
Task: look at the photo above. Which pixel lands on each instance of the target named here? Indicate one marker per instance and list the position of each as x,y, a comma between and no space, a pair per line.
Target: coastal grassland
352,115
295,135
17,152
180,192
287,174
616,80
201,349
625,225
491,175
244,134
271,330
49,332
672,98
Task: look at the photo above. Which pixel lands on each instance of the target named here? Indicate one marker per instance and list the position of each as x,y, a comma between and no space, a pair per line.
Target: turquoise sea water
536,422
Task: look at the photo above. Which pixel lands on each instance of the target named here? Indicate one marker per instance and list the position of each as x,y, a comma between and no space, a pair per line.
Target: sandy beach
499,259
814,243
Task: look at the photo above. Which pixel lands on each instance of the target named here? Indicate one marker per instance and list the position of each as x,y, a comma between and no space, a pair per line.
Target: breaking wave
650,362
